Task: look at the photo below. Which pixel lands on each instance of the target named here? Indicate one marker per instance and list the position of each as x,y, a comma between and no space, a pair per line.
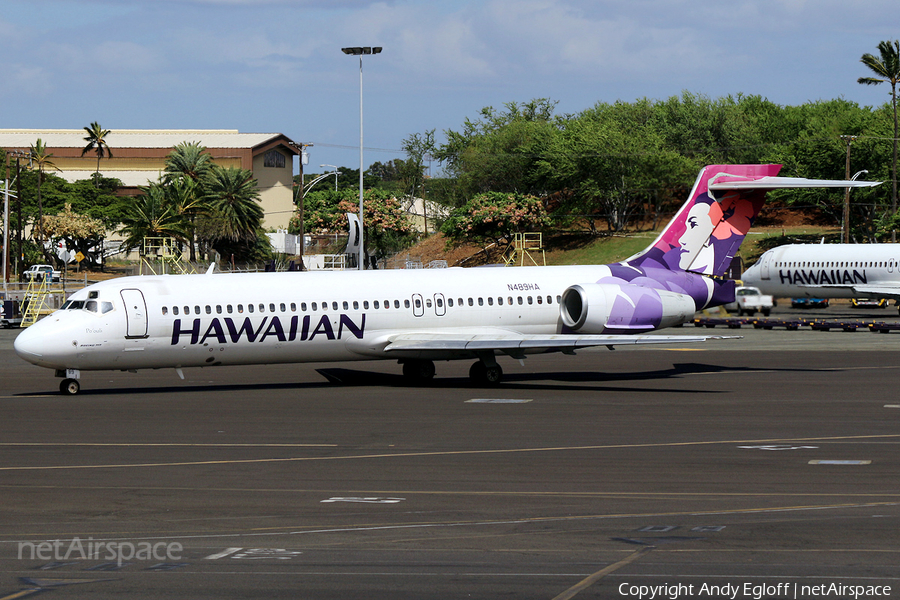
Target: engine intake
608,307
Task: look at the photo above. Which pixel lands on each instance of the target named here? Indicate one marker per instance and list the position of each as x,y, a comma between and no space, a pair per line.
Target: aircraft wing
732,182
519,344
865,291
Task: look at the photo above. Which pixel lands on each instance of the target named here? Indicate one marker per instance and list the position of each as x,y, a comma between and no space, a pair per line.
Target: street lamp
360,51
335,173
845,220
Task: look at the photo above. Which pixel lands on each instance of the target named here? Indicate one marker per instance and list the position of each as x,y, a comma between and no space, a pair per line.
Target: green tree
887,68
495,217
41,159
151,214
96,142
78,232
187,170
232,202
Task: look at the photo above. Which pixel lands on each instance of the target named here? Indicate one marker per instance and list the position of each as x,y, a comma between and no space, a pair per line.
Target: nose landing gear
69,387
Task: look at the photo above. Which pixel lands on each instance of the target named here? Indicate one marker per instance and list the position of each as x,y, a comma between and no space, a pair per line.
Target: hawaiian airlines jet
828,271
415,317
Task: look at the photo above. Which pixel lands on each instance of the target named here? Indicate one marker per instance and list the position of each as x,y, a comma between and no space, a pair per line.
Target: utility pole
300,196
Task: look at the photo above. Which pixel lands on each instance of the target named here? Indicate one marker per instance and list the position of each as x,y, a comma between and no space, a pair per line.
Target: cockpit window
91,306
75,305
106,307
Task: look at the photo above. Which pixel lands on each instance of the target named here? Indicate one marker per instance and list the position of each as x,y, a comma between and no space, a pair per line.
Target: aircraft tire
482,374
418,370
69,387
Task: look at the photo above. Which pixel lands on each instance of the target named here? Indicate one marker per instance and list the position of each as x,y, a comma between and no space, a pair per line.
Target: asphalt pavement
760,467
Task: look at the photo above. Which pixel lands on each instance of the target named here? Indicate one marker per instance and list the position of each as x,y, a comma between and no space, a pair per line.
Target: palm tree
151,215
96,139
190,160
887,67
234,204
186,172
41,159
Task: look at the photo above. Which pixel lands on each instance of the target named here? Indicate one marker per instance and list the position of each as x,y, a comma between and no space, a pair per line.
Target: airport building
139,156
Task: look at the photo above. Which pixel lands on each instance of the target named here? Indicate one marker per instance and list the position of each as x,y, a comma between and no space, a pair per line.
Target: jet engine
607,307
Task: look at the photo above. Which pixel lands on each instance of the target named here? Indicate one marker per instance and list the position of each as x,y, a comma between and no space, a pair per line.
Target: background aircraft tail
707,231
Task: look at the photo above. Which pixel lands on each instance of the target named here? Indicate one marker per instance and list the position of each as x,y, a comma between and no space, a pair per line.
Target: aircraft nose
42,347
28,345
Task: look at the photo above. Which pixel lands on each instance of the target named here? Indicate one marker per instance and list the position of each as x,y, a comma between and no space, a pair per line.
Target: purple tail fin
707,231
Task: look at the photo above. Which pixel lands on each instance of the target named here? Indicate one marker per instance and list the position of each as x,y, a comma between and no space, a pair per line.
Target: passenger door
135,313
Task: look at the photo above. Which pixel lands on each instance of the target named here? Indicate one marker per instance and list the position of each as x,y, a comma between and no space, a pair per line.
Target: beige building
138,157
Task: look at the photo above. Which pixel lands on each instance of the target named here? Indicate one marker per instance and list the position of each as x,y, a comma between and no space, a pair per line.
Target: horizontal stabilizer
731,182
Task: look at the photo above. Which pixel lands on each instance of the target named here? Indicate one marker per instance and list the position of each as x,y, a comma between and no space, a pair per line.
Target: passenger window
520,300
262,308
450,302
250,308
303,307
439,302
490,301
272,308
346,305
283,308
293,307
218,309
418,303
334,306
240,308
165,309
471,302
387,304
208,309
375,304
500,301
229,309
187,310
397,304
315,306
509,300
366,304
427,302
530,300
540,299
196,310
174,310
355,305
481,302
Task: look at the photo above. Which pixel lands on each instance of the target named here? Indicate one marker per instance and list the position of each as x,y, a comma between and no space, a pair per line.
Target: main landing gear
418,371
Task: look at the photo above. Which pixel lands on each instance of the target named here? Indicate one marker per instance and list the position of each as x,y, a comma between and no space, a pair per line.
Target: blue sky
276,65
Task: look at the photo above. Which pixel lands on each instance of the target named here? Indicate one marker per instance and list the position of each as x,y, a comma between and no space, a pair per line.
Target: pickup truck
36,272
750,300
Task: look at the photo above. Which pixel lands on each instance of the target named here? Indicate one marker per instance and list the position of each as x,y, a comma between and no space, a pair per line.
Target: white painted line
223,553
892,405
778,447
363,500
840,462
498,400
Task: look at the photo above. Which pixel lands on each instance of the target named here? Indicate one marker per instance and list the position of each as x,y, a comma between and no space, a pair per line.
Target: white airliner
828,271
413,316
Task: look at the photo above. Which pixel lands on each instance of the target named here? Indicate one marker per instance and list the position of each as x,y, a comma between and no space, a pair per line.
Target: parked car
809,302
869,302
749,300
37,272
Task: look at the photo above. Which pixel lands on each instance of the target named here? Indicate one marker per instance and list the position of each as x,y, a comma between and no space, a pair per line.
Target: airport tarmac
768,464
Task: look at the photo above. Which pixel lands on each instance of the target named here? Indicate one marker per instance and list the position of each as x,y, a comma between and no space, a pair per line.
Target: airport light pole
360,51
335,173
